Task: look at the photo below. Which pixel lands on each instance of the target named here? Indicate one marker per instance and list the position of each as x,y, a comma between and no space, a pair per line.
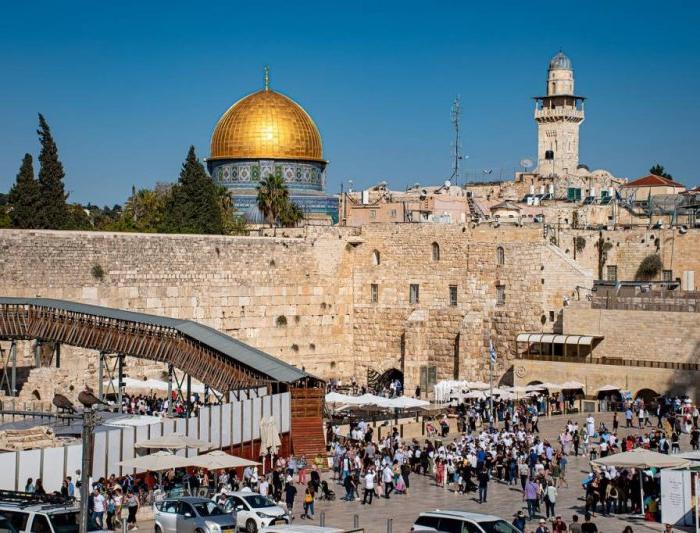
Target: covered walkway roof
550,338
208,355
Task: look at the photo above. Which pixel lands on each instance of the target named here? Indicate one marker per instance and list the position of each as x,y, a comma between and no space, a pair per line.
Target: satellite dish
526,163
447,184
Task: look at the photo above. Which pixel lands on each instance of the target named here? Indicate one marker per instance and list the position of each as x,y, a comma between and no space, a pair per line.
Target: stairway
308,438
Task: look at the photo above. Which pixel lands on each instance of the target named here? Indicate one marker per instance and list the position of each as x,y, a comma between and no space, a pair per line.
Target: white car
461,522
254,511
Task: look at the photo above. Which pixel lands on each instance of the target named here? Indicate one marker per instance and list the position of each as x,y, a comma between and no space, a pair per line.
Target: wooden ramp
308,436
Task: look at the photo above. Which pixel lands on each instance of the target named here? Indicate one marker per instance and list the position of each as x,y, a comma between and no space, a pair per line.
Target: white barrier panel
99,457
168,426
128,452
181,429
247,420
215,425
74,454
141,433
114,450
155,430
52,474
277,410
262,391
236,422
193,427
257,413
226,425
204,413
285,413
8,470
266,406
29,467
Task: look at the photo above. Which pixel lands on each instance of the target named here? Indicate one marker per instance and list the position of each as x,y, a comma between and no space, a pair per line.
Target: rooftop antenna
456,112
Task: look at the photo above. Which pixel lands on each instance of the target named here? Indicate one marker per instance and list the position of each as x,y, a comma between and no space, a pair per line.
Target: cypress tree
194,205
53,210
24,197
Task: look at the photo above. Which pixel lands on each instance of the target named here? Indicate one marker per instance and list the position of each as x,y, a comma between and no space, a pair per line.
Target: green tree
234,224
194,206
659,170
273,197
144,211
53,209
291,214
24,197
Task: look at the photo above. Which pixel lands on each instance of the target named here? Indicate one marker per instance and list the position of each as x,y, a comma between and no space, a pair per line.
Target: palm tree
273,195
291,215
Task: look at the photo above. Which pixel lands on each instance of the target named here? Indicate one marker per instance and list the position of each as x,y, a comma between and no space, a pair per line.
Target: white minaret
559,115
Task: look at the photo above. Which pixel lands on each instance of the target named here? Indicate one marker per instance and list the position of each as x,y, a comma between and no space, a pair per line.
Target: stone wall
307,299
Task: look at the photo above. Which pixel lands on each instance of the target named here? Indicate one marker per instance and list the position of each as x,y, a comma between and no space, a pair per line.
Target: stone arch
376,257
648,395
435,247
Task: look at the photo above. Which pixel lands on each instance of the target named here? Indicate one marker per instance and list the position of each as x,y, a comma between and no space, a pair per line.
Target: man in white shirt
388,479
369,486
98,508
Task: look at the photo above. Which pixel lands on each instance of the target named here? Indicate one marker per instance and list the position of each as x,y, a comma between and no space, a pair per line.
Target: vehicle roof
465,515
190,499
245,493
292,528
37,507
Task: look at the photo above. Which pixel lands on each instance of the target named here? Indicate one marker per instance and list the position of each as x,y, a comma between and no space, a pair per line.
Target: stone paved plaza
503,501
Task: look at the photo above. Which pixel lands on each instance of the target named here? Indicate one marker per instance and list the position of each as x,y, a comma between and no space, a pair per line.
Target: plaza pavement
503,501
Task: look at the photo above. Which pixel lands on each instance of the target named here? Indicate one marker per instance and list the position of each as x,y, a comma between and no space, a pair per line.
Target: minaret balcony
551,114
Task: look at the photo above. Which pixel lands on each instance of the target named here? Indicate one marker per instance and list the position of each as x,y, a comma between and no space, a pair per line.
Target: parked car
459,521
254,511
25,511
301,528
191,515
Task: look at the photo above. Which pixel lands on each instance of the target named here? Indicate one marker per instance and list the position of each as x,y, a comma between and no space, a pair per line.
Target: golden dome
266,124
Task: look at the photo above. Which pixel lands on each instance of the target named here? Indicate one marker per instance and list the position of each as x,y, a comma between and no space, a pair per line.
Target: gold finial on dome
267,77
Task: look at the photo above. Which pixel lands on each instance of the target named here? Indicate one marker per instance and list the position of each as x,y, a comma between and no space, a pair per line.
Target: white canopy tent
608,388
174,441
157,462
400,402
642,459
218,460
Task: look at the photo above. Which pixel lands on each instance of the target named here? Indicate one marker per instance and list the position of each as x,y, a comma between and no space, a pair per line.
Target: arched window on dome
376,258
500,256
436,252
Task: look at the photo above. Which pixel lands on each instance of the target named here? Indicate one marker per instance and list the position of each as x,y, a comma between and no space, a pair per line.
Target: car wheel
158,529
198,531
251,526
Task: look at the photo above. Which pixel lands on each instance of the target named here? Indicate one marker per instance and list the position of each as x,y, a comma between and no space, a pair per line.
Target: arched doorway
648,395
379,382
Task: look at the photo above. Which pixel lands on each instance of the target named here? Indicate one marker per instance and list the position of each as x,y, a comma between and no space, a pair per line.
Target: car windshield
65,522
208,509
497,526
256,501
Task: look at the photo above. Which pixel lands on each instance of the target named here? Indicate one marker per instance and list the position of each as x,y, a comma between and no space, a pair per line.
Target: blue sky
128,86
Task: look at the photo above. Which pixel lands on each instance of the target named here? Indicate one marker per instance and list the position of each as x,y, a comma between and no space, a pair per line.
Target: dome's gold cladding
266,124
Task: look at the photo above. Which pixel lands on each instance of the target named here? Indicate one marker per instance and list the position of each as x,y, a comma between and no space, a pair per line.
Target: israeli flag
492,353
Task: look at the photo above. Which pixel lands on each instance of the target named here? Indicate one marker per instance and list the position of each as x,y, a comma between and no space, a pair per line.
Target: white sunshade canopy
608,388
478,385
572,385
641,458
174,441
475,395
548,338
157,462
402,402
218,460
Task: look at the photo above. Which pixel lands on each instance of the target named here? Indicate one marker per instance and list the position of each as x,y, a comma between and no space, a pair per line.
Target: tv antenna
456,112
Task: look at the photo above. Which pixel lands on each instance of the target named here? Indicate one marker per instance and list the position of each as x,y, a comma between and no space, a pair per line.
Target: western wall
308,299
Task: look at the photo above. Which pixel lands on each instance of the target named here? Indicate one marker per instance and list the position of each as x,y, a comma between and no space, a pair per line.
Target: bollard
389,525
322,519
355,521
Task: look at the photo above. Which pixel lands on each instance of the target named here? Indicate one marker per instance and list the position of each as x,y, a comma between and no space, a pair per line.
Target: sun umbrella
478,385
572,385
157,461
219,459
535,388
475,395
174,441
404,402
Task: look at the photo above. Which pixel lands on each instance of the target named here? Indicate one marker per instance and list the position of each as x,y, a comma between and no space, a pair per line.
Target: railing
558,112
683,301
615,361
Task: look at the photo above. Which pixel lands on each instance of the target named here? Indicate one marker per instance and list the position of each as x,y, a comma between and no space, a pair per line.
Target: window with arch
436,251
376,258
500,256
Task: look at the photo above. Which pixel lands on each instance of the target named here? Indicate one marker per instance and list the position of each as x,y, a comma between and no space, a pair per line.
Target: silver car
192,515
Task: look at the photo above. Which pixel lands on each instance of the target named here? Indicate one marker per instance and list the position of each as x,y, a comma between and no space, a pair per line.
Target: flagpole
492,354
